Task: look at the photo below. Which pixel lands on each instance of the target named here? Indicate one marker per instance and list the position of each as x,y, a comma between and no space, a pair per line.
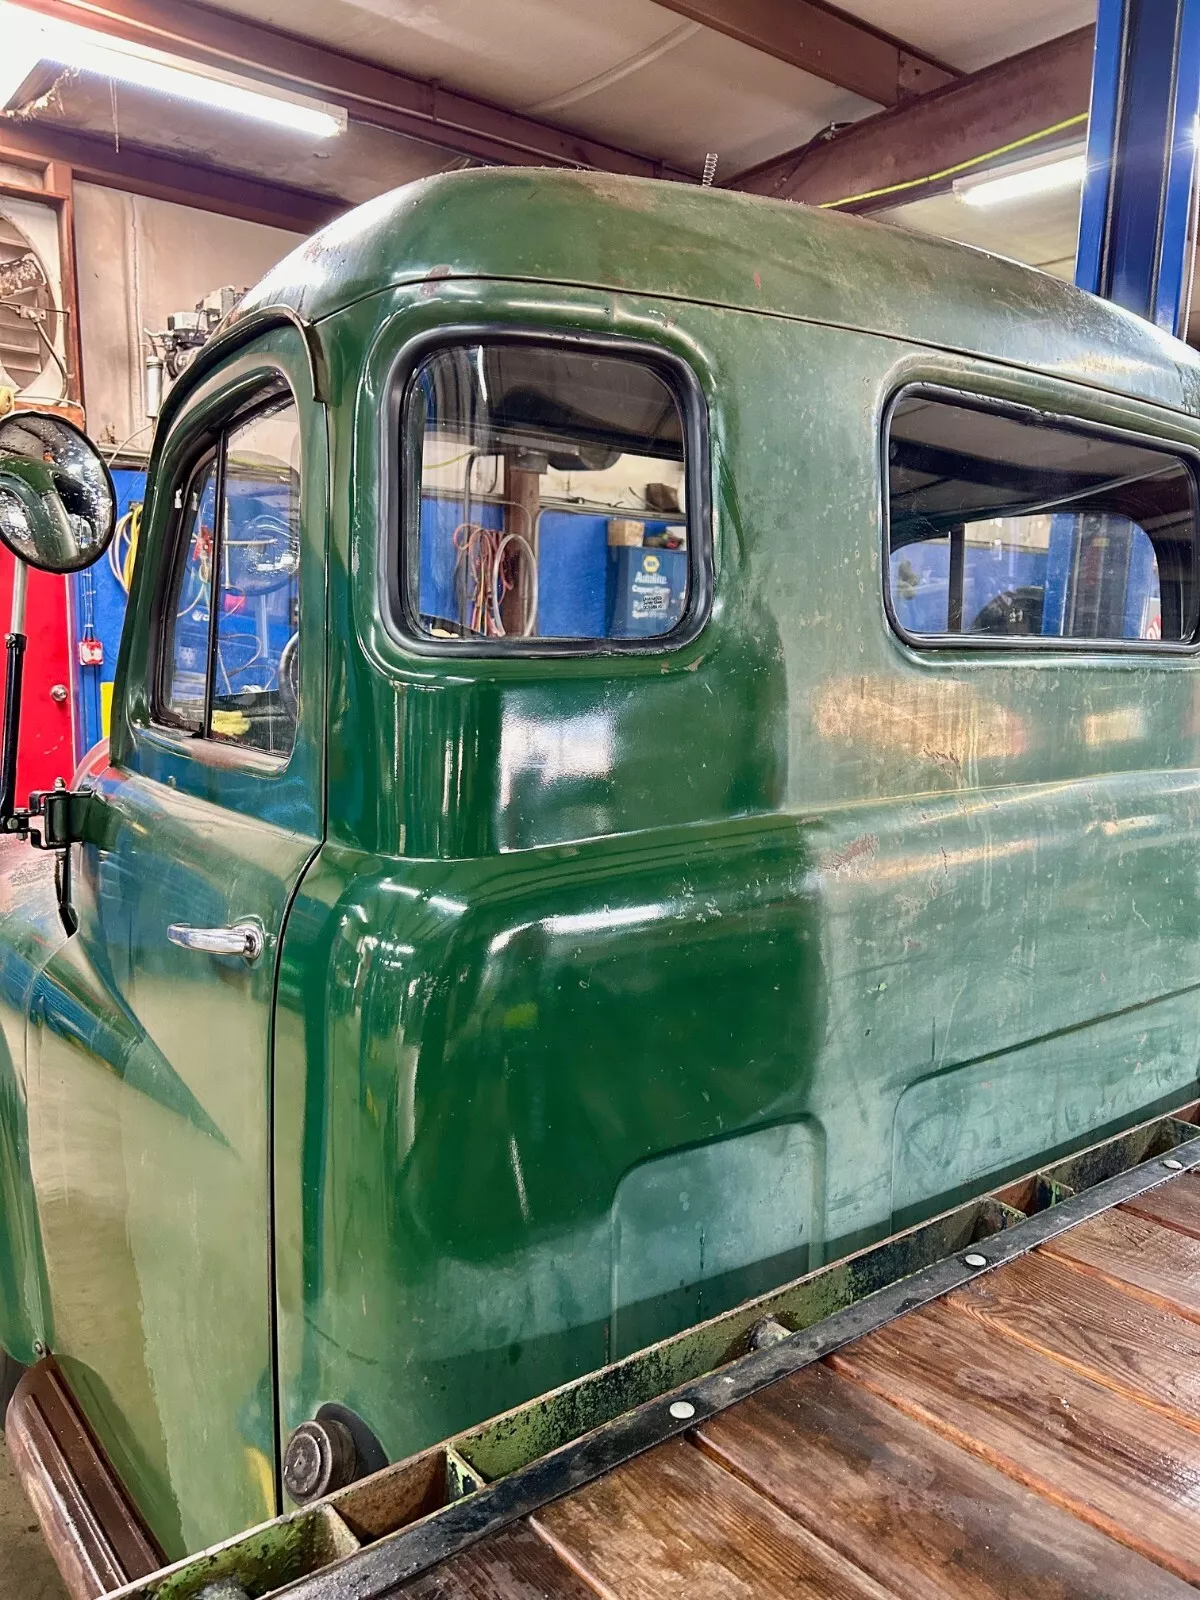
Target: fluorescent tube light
15,66
29,38
1022,183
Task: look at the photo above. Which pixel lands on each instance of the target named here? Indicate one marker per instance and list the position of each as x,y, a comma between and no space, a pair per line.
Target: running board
93,1533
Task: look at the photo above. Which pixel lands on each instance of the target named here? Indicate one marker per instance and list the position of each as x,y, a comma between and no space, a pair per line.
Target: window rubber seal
275,392
1015,646
399,552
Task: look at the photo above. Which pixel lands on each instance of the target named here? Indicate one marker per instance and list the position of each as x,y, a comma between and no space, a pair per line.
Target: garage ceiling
629,84
628,71
632,73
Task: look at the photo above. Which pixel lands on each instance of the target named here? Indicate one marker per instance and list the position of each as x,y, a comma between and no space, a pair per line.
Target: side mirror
58,507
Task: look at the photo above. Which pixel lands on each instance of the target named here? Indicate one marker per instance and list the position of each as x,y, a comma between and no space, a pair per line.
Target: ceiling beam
384,98
825,42
167,178
1039,97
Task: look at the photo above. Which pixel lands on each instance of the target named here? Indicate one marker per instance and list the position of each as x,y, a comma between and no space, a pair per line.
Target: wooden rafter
828,43
897,151
163,177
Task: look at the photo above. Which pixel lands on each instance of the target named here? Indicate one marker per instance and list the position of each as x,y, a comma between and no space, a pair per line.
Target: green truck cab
657,742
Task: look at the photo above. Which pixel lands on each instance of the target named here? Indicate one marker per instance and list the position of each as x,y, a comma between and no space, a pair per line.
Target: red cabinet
46,749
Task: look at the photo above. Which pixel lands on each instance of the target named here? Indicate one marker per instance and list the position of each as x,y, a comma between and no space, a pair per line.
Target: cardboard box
624,531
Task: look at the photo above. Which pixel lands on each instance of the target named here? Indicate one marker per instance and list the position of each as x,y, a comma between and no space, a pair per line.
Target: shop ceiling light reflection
31,39
1022,180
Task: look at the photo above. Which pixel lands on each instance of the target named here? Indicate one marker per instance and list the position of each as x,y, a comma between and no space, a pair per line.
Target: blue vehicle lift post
1135,224
1136,233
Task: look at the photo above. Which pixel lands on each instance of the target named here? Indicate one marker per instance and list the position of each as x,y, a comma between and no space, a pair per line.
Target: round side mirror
58,507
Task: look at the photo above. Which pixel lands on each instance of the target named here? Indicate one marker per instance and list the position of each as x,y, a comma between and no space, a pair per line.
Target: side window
1003,525
255,688
189,599
229,664
546,496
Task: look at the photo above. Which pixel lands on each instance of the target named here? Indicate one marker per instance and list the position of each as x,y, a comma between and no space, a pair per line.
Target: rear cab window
550,499
1007,527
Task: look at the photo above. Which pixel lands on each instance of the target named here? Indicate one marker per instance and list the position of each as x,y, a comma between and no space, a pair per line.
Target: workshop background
138,196
158,156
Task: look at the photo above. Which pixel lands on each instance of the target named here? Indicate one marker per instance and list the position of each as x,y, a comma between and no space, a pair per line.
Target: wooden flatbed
1035,1433
1001,1401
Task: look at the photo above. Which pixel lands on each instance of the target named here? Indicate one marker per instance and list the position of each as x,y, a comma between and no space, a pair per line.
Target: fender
30,935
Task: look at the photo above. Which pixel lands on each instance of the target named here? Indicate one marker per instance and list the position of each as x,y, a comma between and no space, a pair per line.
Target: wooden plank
672,1522
1129,1344
95,1536
513,1564
1174,1205
377,1505
919,1514
1131,1472
1160,1263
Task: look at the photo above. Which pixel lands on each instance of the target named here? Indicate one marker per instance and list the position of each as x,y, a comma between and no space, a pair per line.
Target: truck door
150,1049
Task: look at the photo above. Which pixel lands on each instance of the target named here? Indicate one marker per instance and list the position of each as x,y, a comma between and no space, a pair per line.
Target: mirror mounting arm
14,670
14,646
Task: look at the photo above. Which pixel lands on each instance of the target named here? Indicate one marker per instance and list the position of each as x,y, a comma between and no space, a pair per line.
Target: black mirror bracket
60,811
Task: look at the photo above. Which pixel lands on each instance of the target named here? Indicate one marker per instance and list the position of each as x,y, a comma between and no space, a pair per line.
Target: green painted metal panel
795,875
688,244
31,932
150,1064
800,935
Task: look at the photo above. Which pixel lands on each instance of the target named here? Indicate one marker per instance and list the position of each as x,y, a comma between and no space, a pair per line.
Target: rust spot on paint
431,279
947,723
858,850
945,759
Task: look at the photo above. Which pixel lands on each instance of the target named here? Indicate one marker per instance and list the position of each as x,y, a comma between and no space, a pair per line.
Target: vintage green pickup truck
656,743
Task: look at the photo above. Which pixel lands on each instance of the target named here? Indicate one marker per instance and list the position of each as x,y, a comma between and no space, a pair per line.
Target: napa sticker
651,589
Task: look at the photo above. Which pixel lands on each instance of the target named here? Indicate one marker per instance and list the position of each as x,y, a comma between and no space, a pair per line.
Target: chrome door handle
243,939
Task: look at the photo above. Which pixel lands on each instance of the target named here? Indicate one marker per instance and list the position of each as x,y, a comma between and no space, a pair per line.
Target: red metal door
46,749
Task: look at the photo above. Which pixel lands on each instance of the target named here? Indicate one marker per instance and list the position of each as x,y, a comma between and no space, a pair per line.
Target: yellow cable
135,527
961,166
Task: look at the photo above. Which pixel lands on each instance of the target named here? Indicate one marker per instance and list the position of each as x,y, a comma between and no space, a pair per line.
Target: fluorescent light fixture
20,56
14,69
29,38
1022,182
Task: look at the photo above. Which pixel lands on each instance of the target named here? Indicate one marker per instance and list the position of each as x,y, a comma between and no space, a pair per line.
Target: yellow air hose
134,518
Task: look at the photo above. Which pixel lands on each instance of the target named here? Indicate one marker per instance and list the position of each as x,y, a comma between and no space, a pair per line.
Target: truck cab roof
671,241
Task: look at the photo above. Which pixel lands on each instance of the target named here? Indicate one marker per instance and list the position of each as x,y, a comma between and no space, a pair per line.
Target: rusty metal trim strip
93,1533
379,1569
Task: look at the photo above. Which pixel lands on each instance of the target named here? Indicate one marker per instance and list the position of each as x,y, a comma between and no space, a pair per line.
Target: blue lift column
1135,221
1138,195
